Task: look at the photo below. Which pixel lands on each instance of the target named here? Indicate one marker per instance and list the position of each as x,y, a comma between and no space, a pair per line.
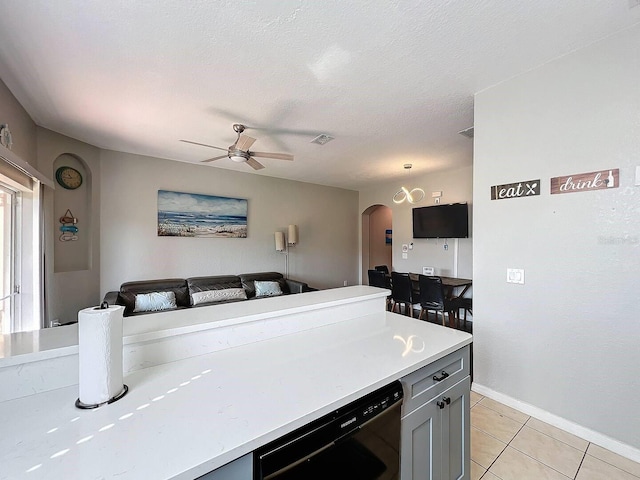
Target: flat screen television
441,221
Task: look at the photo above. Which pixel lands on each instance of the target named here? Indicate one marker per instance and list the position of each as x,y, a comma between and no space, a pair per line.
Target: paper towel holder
125,388
89,406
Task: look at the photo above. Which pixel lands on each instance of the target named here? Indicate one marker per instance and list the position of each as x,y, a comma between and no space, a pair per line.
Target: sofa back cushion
129,290
248,280
227,288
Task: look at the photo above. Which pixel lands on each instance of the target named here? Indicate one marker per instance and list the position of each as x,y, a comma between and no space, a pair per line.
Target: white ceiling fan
239,151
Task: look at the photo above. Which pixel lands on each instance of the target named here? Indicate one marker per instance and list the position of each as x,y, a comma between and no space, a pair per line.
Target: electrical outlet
515,275
345,283
405,256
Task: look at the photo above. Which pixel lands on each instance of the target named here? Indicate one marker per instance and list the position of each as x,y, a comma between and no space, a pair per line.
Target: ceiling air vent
322,139
467,132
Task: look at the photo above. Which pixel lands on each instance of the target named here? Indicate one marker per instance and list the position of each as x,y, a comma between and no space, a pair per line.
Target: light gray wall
327,219
566,341
68,292
379,251
456,186
72,268
23,128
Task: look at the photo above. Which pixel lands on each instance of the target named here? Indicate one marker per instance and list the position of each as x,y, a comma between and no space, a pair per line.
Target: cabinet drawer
433,379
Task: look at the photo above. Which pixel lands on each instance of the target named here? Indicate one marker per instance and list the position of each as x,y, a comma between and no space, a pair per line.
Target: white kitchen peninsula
190,416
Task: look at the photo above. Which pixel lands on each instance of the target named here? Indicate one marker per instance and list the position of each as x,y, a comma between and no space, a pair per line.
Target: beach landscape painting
194,215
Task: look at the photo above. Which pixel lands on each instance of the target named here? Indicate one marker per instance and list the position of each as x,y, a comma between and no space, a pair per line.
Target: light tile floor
508,445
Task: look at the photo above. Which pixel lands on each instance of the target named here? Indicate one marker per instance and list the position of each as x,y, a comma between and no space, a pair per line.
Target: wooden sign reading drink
583,182
516,190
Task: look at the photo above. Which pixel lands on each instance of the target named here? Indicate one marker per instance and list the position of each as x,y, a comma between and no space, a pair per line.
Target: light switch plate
515,275
637,175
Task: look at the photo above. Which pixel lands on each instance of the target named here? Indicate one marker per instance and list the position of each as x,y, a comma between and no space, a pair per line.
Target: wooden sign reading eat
516,190
583,182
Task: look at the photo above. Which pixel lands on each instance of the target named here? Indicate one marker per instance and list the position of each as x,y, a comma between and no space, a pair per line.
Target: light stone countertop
188,417
17,348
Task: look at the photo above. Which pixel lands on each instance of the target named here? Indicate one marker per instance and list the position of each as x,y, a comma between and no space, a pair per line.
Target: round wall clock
69,177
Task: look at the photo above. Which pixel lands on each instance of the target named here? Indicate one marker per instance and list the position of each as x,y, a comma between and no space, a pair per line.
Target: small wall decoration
529,188
387,237
68,227
194,215
582,182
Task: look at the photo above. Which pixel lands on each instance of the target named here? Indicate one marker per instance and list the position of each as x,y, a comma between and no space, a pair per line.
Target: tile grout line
609,463
582,461
523,453
557,439
584,454
505,447
541,462
542,433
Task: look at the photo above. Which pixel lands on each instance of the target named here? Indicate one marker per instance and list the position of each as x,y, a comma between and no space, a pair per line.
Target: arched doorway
376,238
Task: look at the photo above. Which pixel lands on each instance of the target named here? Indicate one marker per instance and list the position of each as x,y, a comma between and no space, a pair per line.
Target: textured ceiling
393,81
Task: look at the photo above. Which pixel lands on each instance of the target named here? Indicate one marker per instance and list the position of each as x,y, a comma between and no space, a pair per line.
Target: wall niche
72,250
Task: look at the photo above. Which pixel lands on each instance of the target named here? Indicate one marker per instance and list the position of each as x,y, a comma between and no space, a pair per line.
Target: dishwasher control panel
368,407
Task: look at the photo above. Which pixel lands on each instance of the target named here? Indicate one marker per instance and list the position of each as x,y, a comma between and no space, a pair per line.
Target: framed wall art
194,215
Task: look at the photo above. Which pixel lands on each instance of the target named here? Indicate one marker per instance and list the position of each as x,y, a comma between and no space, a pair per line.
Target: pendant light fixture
412,196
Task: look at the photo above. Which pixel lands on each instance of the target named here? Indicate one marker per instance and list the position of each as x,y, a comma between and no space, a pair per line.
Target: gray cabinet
435,430
239,469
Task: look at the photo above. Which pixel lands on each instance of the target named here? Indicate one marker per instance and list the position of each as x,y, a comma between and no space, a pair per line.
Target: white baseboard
592,436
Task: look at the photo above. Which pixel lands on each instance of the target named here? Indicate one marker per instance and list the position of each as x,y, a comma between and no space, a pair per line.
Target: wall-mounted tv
441,221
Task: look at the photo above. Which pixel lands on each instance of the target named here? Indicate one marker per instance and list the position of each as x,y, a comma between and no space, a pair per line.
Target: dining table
449,284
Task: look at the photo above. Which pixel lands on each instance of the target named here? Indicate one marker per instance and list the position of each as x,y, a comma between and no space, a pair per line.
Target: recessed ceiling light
322,139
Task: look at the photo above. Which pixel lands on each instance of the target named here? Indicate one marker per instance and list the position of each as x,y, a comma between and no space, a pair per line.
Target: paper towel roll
100,354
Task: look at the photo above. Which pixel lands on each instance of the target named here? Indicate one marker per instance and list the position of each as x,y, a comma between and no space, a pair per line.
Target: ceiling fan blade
204,145
253,163
244,142
214,158
279,156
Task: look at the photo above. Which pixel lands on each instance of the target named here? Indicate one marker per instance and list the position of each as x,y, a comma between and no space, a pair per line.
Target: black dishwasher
360,441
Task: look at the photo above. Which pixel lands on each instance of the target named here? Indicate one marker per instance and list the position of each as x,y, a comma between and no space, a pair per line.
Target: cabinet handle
440,405
439,379
447,400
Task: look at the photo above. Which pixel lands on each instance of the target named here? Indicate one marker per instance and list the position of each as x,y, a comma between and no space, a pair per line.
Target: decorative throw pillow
218,295
267,289
155,301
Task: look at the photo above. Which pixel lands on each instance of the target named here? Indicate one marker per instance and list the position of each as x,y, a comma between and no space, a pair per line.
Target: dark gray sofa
184,289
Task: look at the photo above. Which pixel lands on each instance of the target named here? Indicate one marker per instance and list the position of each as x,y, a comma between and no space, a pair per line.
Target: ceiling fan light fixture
239,152
238,156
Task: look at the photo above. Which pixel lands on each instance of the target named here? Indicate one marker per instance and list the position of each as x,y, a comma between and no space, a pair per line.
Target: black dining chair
379,279
382,268
401,293
432,298
465,303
